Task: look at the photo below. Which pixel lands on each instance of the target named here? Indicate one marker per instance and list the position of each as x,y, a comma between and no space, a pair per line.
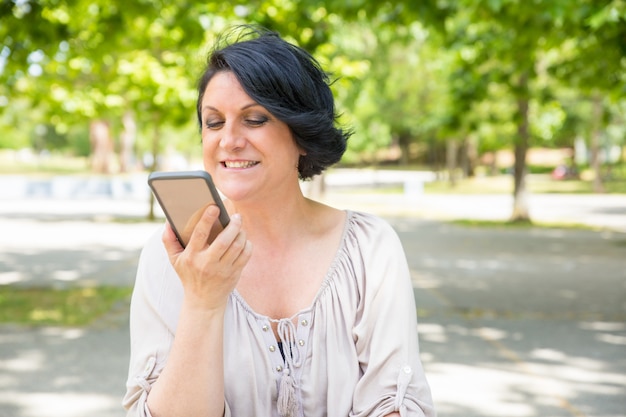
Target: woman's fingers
209,271
244,255
202,230
230,247
221,246
227,246
236,249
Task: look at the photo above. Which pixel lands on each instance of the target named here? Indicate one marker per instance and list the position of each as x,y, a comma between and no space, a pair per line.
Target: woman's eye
213,124
256,121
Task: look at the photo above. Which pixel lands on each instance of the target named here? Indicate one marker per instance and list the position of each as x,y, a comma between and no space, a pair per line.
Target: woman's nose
232,137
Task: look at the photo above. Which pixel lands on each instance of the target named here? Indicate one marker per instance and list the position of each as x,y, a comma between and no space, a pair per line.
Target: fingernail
214,210
236,217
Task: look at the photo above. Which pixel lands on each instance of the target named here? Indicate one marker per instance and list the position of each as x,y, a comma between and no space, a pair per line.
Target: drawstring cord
287,401
287,334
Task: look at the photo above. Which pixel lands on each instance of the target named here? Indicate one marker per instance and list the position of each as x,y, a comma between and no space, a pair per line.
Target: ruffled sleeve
385,330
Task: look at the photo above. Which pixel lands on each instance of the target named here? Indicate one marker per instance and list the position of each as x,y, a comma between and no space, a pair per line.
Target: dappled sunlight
69,253
597,381
520,322
82,266
472,264
66,275
58,371
424,280
28,360
593,373
483,370
491,333
60,404
609,338
603,326
432,332
606,332
34,234
479,390
63,333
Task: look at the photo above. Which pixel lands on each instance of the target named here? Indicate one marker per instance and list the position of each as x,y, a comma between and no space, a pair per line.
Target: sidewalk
599,211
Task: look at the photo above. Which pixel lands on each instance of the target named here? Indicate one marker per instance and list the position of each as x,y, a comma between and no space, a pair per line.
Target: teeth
239,164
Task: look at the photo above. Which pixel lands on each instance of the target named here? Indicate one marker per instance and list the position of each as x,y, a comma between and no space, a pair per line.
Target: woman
297,308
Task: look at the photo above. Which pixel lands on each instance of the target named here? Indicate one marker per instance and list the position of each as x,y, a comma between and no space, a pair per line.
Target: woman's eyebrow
207,107
247,106
244,107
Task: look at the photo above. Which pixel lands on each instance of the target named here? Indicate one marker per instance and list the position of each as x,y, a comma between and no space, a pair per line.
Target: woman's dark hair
290,84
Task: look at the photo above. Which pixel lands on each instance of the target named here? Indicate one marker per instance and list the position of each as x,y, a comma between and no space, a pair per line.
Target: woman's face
245,148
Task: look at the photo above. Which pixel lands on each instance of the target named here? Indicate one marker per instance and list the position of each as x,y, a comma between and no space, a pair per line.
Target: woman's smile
239,164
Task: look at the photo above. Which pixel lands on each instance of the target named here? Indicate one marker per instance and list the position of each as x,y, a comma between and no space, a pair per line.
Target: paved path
518,322
513,322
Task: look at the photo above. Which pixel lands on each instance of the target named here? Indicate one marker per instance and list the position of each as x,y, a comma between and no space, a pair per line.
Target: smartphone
183,196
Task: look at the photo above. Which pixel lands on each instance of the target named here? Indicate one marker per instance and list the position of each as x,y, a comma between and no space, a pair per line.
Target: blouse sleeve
385,331
154,311
155,308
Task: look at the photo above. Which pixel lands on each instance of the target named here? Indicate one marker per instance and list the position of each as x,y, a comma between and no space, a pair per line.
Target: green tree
506,40
592,59
93,61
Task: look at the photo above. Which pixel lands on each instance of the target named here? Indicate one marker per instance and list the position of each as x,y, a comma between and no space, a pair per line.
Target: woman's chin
235,195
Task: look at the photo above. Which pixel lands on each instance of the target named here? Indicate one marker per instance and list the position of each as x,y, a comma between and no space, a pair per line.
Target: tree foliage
408,74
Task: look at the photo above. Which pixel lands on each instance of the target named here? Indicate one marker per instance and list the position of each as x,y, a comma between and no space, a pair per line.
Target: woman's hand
209,272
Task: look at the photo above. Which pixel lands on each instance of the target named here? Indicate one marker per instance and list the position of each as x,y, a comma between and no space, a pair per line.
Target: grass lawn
537,184
498,224
59,307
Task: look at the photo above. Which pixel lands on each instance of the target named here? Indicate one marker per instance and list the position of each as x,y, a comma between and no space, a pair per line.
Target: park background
478,124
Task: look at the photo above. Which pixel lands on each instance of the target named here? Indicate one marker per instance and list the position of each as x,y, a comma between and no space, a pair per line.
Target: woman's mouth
239,164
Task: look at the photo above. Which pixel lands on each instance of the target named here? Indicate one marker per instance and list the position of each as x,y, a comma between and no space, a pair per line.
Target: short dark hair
290,84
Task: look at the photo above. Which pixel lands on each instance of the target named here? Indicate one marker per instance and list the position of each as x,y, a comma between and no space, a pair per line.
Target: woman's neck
276,220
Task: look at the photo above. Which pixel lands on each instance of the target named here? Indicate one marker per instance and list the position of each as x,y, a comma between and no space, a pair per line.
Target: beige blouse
353,352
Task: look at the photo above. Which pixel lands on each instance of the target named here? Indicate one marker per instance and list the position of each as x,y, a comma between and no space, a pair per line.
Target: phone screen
184,196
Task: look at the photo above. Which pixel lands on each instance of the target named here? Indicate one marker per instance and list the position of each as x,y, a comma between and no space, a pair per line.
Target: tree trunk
403,143
469,157
596,166
520,194
452,150
101,146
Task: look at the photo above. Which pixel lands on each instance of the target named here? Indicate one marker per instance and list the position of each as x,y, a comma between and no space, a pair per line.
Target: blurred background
490,133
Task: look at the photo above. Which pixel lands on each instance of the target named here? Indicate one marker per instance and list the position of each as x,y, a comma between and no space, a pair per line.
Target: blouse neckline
329,274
